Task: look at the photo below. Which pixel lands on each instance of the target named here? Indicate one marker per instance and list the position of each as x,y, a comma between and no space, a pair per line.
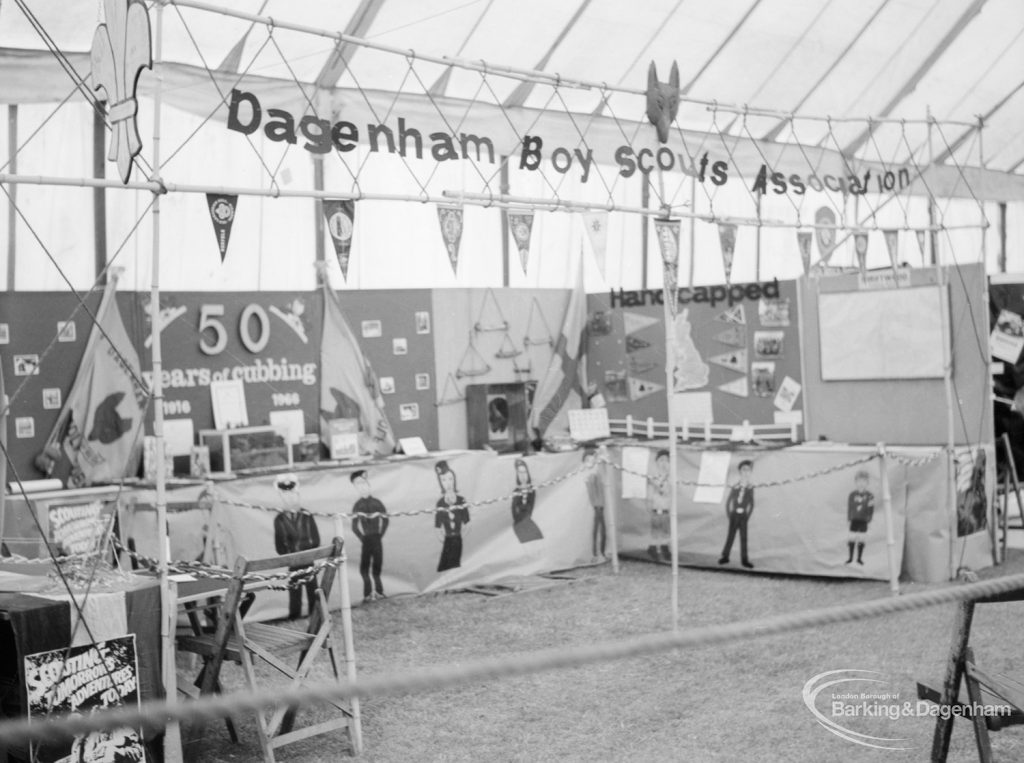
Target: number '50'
209,321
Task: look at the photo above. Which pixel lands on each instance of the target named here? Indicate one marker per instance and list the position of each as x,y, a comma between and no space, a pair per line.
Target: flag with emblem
450,218
222,213
341,219
596,224
521,225
668,243
561,387
892,243
98,434
348,385
727,238
860,246
803,242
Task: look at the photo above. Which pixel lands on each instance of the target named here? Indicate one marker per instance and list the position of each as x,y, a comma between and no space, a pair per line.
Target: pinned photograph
51,398
24,427
409,411
422,381
763,377
26,365
66,331
387,385
372,329
422,322
769,344
399,346
773,312
5,333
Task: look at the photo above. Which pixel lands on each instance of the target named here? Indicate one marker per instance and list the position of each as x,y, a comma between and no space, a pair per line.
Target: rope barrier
156,713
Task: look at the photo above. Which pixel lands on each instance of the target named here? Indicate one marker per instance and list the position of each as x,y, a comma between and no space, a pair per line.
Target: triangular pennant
738,387
825,232
727,237
450,217
634,322
803,242
222,213
639,366
596,223
521,225
733,315
734,336
639,388
892,243
341,219
921,242
668,241
736,361
633,344
860,246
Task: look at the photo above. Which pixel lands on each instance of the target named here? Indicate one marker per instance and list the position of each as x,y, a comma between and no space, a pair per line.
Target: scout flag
222,208
341,219
596,223
521,225
727,237
450,217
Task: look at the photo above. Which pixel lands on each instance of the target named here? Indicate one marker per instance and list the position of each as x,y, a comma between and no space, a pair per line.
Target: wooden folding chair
243,643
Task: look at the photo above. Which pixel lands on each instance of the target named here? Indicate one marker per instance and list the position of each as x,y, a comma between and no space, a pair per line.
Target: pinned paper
1007,338
634,471
733,315
737,387
712,476
789,391
736,361
641,388
690,371
736,336
596,224
692,407
634,322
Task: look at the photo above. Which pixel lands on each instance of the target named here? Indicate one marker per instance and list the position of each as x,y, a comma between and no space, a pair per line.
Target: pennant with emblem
639,366
450,218
521,225
635,343
803,242
668,241
892,243
341,219
641,388
222,213
825,232
596,223
733,315
727,237
738,387
735,361
860,246
634,322
734,336
921,242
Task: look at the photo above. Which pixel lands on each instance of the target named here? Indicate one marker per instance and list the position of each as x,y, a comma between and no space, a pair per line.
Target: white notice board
884,334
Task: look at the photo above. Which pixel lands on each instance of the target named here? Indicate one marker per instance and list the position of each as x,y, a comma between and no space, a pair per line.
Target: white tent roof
747,65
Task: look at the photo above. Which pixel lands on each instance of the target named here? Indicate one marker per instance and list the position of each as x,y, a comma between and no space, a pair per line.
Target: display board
884,334
738,348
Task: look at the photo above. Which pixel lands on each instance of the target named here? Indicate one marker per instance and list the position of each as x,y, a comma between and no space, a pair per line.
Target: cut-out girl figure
738,508
595,491
450,516
522,505
369,523
859,509
659,500
972,502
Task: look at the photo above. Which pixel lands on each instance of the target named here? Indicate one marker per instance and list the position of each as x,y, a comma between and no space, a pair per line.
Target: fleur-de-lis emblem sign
121,49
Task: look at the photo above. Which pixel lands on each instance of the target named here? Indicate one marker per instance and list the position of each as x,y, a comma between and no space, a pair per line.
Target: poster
84,679
79,528
1007,339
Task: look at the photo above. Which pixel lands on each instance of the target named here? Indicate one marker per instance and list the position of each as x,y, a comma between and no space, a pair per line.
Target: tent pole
645,202
12,208
931,199
981,191
504,188
99,196
172,736
890,531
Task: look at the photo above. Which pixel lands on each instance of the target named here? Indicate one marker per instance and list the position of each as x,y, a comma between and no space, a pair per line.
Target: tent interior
542,107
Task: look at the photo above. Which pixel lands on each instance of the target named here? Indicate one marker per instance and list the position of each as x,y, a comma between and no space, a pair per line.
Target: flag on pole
561,388
860,246
222,208
668,241
450,218
341,220
596,223
348,385
521,225
892,243
727,237
98,433
803,242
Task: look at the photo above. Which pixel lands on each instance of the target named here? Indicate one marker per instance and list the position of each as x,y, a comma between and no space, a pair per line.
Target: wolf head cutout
662,100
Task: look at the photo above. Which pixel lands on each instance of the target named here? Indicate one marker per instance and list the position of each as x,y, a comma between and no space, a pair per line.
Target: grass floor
739,701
